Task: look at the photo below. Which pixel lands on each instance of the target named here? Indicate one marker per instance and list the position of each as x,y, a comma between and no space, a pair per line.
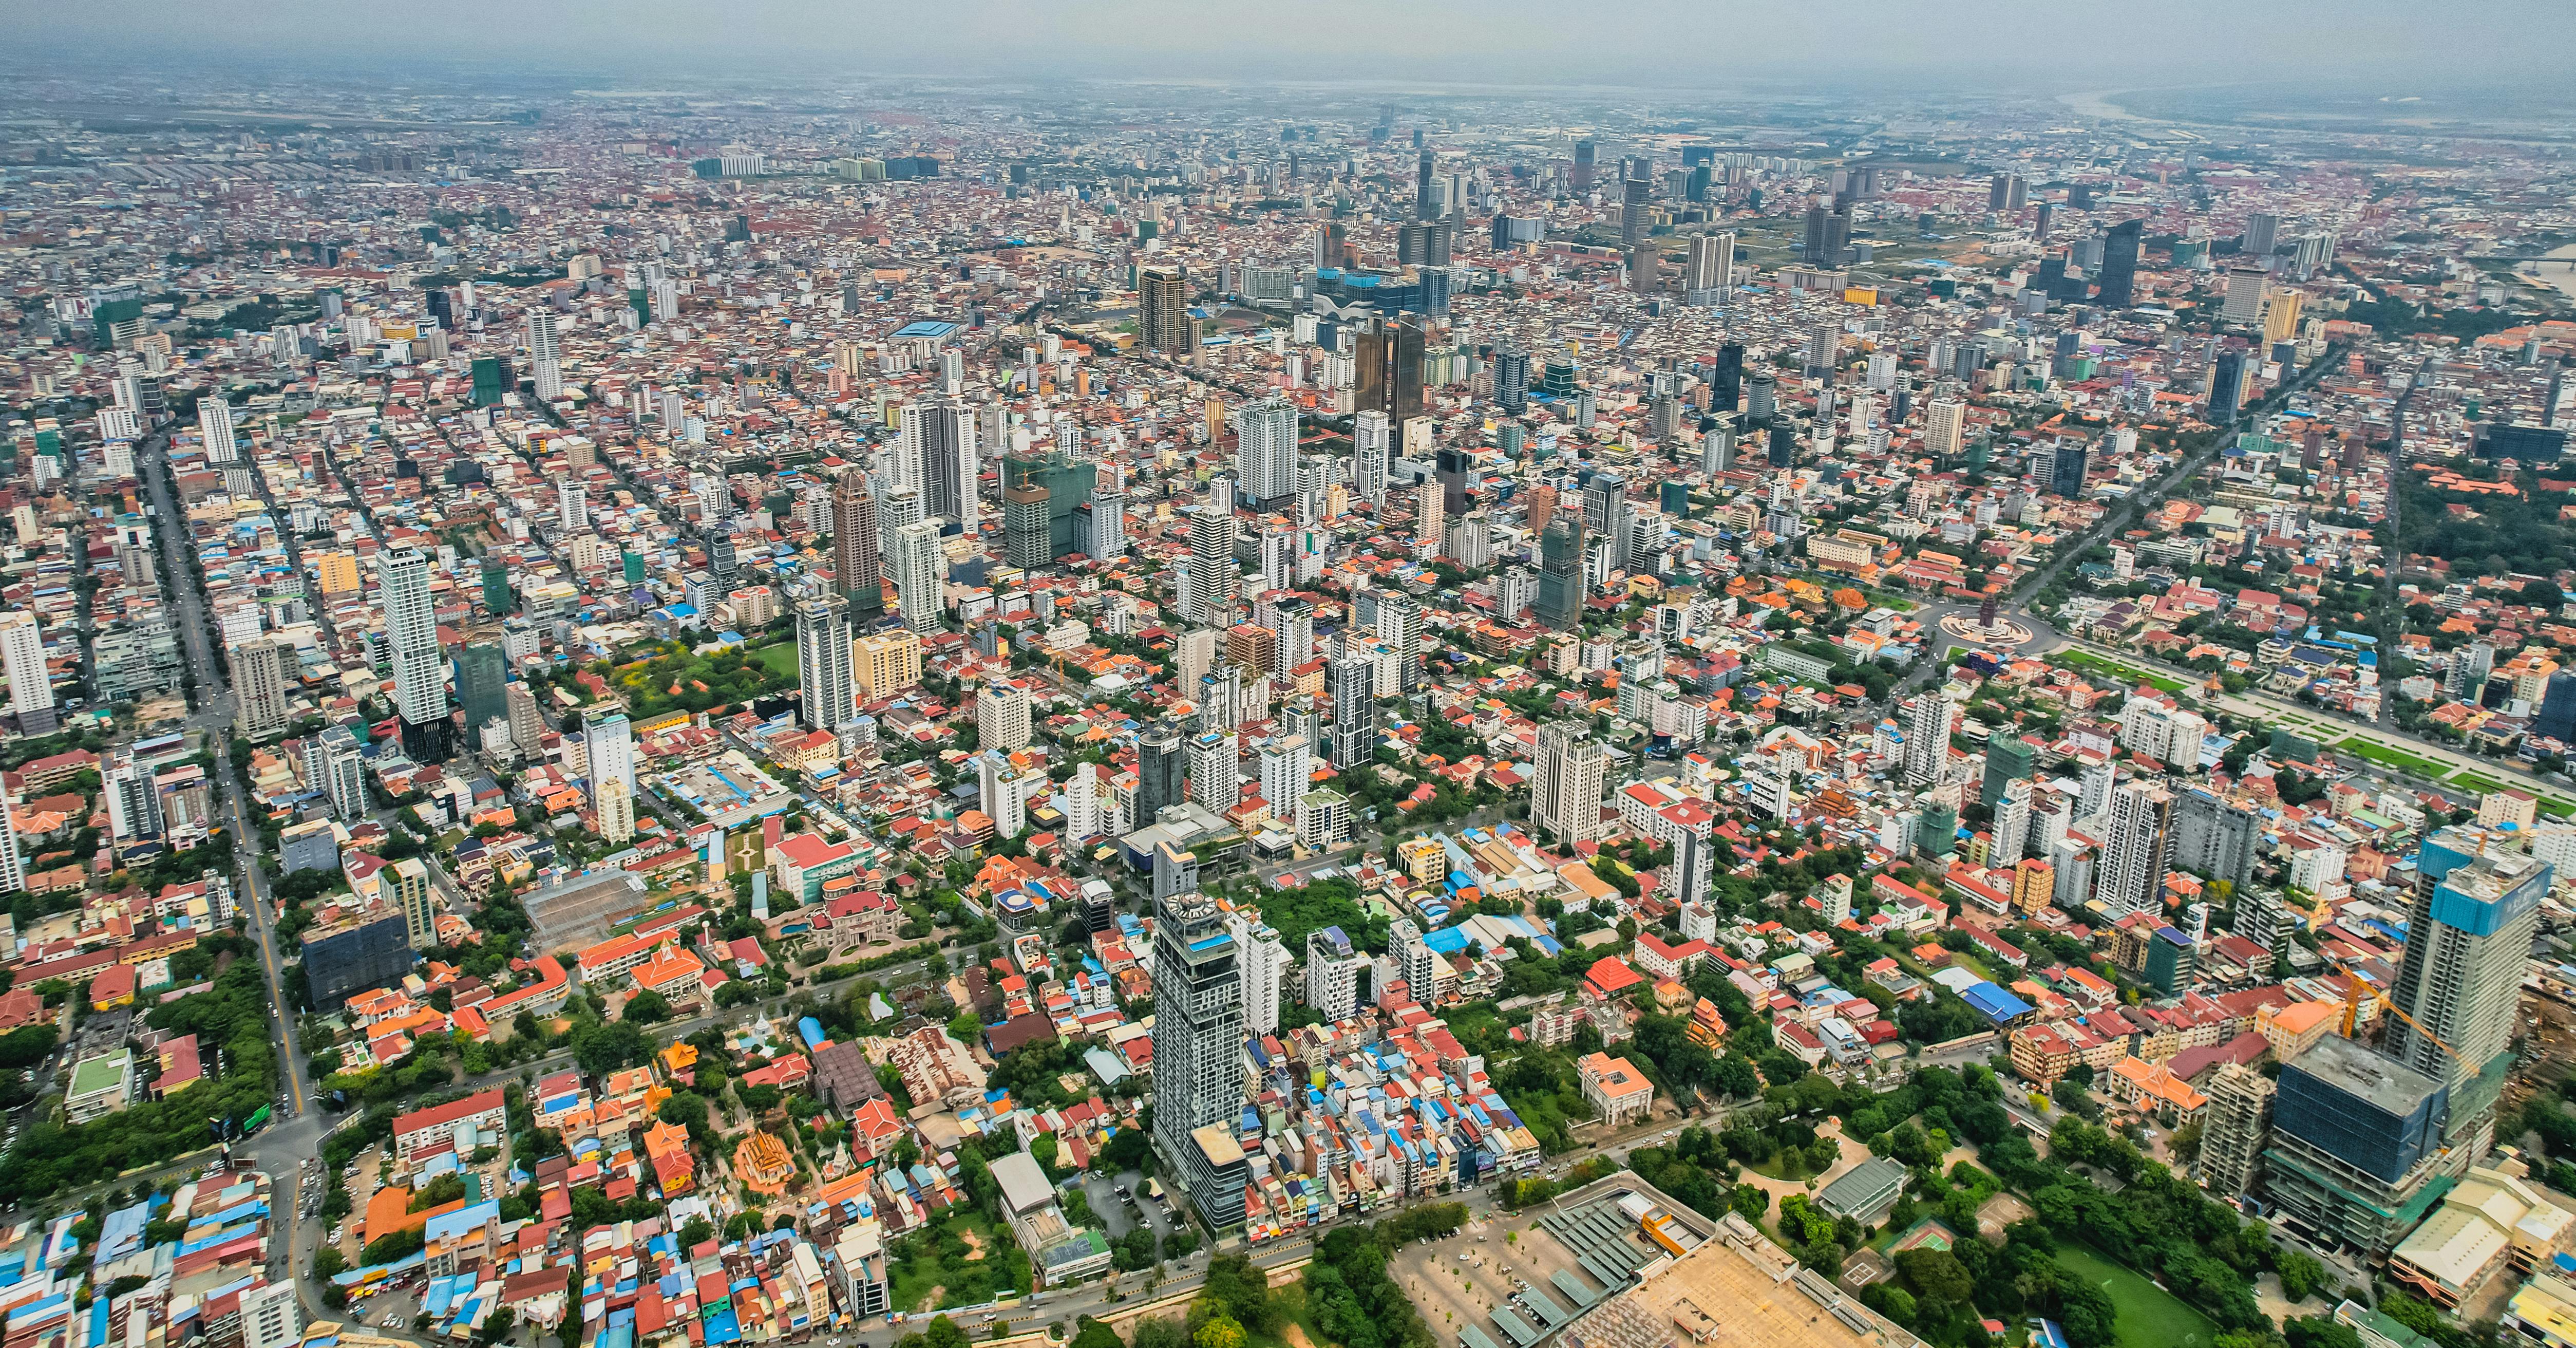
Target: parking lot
1120,1218
1460,1280
1513,1262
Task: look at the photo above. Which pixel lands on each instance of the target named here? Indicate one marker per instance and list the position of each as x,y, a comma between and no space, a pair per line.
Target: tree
1158,1332
943,1333
1094,1334
646,1007
2300,1273
1220,1332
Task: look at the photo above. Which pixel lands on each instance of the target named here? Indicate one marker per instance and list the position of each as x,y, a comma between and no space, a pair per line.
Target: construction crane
2352,1012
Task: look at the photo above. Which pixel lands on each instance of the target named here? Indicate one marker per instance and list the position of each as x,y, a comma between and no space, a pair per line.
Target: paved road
297,1130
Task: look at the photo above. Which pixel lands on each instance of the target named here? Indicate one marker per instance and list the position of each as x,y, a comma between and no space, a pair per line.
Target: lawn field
2130,673
2391,758
2149,1316
779,659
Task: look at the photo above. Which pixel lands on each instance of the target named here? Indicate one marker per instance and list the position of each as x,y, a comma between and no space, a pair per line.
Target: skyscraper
263,673
940,436
1581,178
333,766
857,566
215,424
1387,361
1928,719
919,562
2119,275
609,741
1372,453
1560,575
1161,771
1198,1047
1286,770
1333,974
2468,938
1354,682
2262,235
1634,212
2137,850
2235,1129
2226,386
1712,263
2066,472
1566,794
1266,449
1511,380
1214,577
1163,311
1002,716
482,682
823,672
420,668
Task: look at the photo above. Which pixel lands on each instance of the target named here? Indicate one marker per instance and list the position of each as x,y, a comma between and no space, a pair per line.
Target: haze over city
1140,675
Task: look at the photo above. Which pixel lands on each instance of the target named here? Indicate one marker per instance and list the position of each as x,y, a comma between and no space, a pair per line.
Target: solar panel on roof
1582,1296
1514,1327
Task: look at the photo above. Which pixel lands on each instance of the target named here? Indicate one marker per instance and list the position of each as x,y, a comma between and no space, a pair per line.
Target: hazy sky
1707,44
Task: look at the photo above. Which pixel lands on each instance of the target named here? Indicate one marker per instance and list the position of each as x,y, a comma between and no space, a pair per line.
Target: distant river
2557,269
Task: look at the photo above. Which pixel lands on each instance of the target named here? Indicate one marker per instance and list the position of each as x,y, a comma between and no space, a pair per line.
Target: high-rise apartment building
2468,938
2137,849
1354,684
1266,449
1214,578
919,560
1002,716
885,664
420,668
264,672
940,436
823,674
1372,455
333,766
1163,319
1929,718
1711,267
1286,772
609,743
857,565
1571,776
1333,974
2235,1130
1198,1049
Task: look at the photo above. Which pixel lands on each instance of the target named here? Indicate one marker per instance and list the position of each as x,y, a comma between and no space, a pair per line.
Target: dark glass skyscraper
1511,380
1728,382
2226,385
2067,477
1560,575
2120,265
